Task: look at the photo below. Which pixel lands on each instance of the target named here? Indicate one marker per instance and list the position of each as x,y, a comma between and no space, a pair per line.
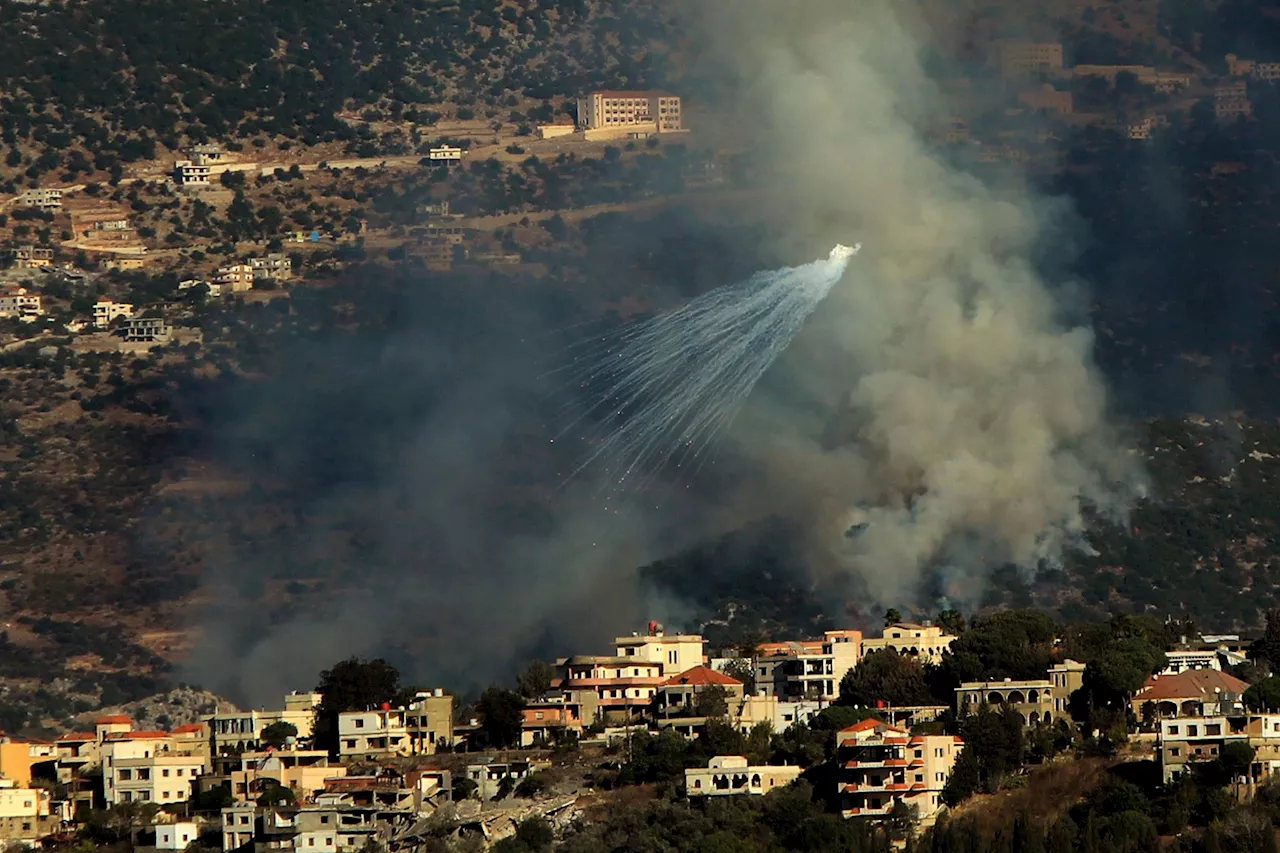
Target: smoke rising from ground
972,421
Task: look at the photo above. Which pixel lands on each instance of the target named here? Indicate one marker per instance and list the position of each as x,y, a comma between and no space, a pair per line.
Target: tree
744,670
1264,696
274,795
951,622
884,675
891,616
351,685
278,733
535,680
966,776
1267,647
501,715
711,701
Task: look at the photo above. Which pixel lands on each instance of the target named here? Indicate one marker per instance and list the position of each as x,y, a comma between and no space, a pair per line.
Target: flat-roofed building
880,765
729,775
609,109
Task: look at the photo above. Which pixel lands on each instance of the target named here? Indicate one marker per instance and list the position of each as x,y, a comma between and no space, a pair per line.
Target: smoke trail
666,387
967,425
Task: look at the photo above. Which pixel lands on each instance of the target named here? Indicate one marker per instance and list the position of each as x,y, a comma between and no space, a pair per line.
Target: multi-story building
780,715
1067,678
302,770
419,729
1191,693
1034,700
674,652
122,263
1231,101
1269,71
678,695
651,112
1180,660
1186,740
276,267
206,154
242,730
25,813
808,670
1020,58
491,777
609,687
189,173
926,642
446,154
550,720
19,303
240,824
727,775
105,311
148,767
147,330
881,766
48,199
235,277
29,257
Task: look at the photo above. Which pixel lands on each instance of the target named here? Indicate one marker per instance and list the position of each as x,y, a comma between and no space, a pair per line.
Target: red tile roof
189,728
701,676
78,736
1192,684
115,720
870,724
137,735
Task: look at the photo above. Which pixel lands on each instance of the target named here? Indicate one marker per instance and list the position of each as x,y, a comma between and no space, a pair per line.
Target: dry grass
1050,791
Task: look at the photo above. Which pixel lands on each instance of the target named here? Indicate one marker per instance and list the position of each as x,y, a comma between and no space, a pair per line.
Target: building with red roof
880,766
680,696
1192,693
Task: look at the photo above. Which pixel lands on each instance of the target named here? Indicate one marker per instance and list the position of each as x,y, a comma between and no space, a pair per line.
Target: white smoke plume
973,423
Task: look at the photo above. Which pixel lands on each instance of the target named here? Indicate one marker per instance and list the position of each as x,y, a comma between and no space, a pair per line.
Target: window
919,777
939,777
324,818
164,794
351,744
180,772
937,753
165,772
126,775
673,656
1173,730
244,820
144,774
919,753
1213,729
311,842
145,795
1193,731
359,723
1175,752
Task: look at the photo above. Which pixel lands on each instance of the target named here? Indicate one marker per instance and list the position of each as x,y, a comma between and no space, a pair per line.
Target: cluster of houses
276,793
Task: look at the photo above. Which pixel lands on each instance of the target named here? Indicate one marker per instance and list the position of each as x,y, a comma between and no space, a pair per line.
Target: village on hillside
394,774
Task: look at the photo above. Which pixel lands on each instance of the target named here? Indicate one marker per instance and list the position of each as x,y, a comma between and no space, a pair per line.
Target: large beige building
302,770
1034,700
421,728
726,775
809,670
880,766
641,112
924,642
237,731
609,688
674,652
24,812
1067,678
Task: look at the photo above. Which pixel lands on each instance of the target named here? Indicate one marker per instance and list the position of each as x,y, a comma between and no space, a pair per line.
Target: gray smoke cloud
973,424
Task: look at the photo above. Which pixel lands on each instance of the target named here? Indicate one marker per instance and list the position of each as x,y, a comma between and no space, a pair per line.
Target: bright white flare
662,389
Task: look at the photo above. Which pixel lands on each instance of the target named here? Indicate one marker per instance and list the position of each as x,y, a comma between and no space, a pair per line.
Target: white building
19,303
106,310
675,652
22,811
278,267
925,642
176,836
809,670
445,154
1181,660
188,173
236,277
726,775
47,199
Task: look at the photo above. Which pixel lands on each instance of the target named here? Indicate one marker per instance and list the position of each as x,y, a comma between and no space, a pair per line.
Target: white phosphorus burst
660,390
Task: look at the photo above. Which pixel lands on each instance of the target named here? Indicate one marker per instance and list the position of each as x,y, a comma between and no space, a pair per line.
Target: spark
663,389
